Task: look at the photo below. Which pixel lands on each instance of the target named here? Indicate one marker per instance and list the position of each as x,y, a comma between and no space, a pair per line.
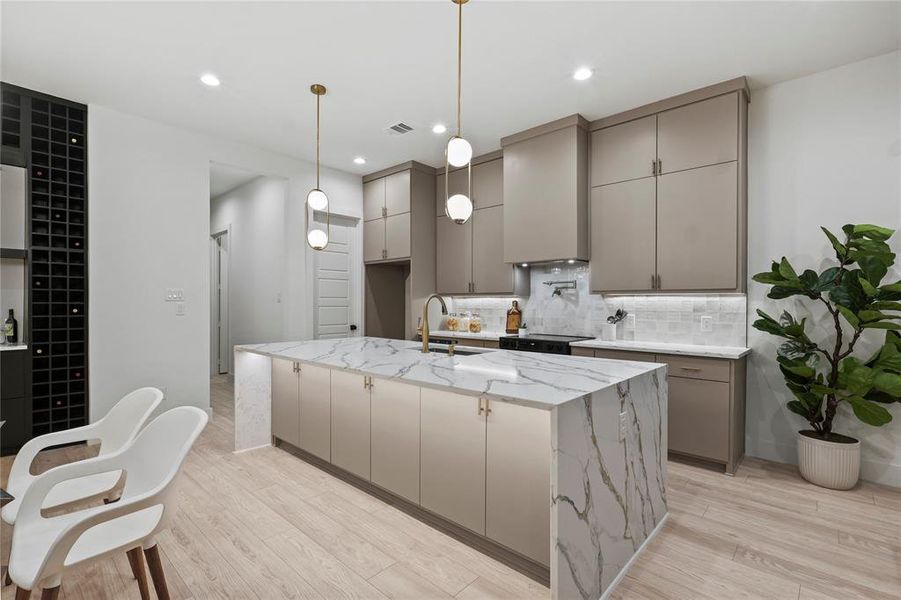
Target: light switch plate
706,324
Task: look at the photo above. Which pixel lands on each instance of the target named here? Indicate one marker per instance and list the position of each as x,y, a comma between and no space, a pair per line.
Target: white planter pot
831,465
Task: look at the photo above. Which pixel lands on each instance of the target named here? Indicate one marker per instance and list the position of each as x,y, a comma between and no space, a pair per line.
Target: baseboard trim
243,450
514,560
625,570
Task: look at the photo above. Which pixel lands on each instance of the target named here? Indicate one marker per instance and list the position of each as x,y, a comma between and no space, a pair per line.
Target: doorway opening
219,343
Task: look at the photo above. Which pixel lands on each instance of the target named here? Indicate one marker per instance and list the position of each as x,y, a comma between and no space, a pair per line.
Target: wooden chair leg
136,560
156,572
49,593
22,594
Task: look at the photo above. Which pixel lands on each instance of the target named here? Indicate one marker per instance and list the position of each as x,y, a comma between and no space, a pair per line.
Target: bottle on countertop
11,329
514,318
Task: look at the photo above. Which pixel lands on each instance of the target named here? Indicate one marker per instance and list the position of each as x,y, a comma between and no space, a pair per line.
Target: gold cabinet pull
693,369
487,407
481,408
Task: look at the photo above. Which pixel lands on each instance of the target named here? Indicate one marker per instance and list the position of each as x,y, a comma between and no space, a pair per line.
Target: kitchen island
558,461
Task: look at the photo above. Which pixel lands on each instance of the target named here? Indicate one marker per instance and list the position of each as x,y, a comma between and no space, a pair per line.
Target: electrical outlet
175,294
706,324
180,309
630,321
622,426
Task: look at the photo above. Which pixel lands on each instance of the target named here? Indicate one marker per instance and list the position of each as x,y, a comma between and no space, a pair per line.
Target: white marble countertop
530,378
730,352
466,335
6,347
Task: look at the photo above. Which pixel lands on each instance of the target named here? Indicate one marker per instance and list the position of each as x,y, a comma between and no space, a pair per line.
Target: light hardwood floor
264,524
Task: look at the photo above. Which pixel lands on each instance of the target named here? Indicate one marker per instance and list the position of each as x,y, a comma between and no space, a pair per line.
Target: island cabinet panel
518,479
453,457
350,422
697,229
699,417
395,437
699,134
623,232
624,152
285,401
315,411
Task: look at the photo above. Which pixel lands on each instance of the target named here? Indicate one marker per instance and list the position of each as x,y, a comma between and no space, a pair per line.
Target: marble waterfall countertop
530,378
730,352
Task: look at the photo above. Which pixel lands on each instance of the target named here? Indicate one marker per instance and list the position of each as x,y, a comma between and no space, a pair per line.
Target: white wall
254,216
824,150
149,227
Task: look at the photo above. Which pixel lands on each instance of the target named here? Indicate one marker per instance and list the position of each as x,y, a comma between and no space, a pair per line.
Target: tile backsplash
658,318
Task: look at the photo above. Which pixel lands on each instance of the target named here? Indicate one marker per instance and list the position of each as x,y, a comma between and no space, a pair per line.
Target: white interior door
219,303
333,287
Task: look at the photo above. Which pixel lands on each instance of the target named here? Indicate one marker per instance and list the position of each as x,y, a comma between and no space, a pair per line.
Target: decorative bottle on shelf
514,318
11,329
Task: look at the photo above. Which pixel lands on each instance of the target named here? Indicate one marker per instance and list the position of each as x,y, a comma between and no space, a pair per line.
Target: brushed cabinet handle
384,211
659,166
653,282
693,369
487,408
659,285
481,408
653,167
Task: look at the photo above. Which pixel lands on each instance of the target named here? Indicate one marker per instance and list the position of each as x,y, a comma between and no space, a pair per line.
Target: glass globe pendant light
459,151
317,201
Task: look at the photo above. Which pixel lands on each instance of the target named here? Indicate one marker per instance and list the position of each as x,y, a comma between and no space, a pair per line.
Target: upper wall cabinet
386,196
669,195
387,215
546,192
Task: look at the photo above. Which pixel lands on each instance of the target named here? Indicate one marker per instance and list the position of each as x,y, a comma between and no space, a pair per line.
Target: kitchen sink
444,349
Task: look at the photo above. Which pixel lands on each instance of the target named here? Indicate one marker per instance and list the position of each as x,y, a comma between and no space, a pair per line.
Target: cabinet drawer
712,369
699,418
625,355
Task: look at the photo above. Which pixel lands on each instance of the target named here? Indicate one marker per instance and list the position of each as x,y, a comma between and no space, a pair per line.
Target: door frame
215,318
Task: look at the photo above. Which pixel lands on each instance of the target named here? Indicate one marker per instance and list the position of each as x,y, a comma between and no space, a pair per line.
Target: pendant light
317,201
459,151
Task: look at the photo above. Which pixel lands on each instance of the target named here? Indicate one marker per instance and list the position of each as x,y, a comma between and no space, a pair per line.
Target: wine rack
57,165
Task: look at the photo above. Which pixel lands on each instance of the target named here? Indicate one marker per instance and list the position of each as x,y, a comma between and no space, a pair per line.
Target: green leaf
867,287
857,378
796,367
892,287
874,232
850,317
886,305
890,383
780,291
874,267
786,270
826,280
881,325
798,408
869,412
768,277
871,315
840,249
889,358
849,294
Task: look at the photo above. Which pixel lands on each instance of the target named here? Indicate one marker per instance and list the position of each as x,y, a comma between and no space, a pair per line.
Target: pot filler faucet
425,320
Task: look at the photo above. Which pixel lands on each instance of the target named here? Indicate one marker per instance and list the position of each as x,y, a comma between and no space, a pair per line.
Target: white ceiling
225,178
385,62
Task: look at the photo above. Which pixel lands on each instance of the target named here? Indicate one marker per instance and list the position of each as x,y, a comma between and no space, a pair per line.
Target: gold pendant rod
459,65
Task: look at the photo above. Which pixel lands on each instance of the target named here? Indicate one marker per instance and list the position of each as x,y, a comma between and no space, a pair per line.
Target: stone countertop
528,378
729,352
11,347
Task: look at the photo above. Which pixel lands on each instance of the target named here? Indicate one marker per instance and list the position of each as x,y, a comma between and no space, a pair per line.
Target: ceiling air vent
398,128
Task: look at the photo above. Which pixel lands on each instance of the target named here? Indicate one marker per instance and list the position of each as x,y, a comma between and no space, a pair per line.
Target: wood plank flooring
264,524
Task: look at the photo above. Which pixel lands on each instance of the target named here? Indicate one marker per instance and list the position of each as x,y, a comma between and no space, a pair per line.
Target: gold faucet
425,320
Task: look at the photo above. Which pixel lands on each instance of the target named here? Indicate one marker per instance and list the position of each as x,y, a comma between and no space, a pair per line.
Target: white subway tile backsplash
658,318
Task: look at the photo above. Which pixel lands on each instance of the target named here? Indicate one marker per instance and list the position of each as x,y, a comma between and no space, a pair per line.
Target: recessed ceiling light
360,160
582,73
210,80
438,128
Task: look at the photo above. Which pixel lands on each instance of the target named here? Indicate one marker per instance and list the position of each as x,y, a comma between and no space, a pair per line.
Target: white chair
44,547
115,430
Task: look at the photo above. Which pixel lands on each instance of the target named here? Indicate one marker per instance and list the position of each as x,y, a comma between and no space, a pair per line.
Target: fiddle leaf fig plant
821,375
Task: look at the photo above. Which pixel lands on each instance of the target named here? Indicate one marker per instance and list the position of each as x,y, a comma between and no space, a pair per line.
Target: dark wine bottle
11,329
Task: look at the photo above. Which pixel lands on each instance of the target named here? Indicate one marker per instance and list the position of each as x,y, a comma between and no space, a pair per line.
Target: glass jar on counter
464,321
475,323
452,322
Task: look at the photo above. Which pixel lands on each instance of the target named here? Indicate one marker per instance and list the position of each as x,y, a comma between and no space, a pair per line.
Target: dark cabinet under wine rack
53,137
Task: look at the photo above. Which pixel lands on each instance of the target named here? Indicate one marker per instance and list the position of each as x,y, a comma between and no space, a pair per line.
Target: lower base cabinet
395,437
518,479
350,422
286,401
453,457
315,411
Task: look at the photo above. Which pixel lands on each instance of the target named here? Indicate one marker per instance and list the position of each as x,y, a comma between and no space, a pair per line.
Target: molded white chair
115,430
43,548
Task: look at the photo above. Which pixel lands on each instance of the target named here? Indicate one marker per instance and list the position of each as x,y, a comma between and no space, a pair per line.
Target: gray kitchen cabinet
699,134
452,450
374,240
373,199
488,184
518,479
698,422
285,401
624,152
395,437
454,256
546,192
397,193
397,236
457,184
623,236
490,274
315,411
697,229
350,422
